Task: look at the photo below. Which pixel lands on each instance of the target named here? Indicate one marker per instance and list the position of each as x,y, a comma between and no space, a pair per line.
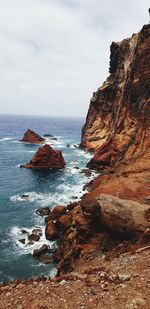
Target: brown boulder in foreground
123,216
32,137
45,158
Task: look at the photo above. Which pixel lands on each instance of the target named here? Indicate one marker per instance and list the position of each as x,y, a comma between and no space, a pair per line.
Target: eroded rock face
117,126
32,137
45,158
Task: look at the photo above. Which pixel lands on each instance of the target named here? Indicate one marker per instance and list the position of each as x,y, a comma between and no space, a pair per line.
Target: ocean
43,189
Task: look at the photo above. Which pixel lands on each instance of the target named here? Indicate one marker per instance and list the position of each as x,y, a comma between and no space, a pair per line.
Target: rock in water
46,158
45,211
40,251
32,137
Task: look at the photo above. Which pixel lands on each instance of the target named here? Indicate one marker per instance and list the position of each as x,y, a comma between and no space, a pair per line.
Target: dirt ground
98,281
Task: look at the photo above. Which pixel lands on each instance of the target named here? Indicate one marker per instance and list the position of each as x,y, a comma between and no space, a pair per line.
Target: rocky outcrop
117,126
46,158
101,223
32,137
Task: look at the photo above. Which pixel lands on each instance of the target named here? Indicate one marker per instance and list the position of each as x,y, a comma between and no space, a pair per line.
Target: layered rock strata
32,137
117,126
46,158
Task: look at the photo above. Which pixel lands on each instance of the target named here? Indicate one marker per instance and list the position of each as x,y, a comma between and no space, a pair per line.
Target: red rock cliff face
117,126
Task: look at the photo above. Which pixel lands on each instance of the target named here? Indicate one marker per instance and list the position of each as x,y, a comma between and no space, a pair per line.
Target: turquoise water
44,189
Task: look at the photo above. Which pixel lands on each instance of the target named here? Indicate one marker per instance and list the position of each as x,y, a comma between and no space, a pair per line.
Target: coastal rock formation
117,130
32,137
117,126
46,158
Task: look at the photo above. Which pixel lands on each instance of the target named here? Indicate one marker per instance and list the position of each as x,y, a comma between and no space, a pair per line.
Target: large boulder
58,211
122,216
40,251
46,158
50,231
32,137
64,222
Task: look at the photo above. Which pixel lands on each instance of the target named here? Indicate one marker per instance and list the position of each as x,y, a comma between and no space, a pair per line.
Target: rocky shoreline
103,240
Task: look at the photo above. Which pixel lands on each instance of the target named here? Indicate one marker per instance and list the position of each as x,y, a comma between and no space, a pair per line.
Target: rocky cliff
117,126
117,130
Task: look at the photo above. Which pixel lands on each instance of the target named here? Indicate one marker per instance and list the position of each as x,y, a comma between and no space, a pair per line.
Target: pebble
20,307
63,282
124,277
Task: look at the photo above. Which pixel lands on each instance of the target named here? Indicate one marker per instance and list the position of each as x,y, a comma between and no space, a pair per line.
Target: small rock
124,277
22,240
37,231
24,231
45,211
24,196
40,251
63,282
33,237
86,172
147,200
46,259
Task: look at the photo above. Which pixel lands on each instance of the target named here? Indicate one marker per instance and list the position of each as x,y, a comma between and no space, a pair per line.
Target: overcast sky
55,53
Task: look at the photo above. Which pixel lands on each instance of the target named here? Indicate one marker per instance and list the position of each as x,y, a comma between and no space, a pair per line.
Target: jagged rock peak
46,158
32,137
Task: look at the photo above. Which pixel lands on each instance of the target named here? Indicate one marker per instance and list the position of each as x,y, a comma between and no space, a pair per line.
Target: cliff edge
117,126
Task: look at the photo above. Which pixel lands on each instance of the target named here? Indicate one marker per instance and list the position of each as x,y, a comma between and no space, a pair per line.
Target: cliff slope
117,126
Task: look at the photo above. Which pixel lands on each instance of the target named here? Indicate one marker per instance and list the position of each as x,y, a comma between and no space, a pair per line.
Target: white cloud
55,53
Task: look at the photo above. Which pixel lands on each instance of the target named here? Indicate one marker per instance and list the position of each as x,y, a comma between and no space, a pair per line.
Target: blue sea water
43,189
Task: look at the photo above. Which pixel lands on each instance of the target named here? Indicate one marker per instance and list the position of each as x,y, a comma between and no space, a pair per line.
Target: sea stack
32,137
46,158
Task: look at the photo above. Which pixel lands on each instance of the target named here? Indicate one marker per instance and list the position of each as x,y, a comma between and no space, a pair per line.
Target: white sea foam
3,139
16,234
27,196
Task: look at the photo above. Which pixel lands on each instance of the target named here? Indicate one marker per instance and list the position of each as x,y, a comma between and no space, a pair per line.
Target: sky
55,53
